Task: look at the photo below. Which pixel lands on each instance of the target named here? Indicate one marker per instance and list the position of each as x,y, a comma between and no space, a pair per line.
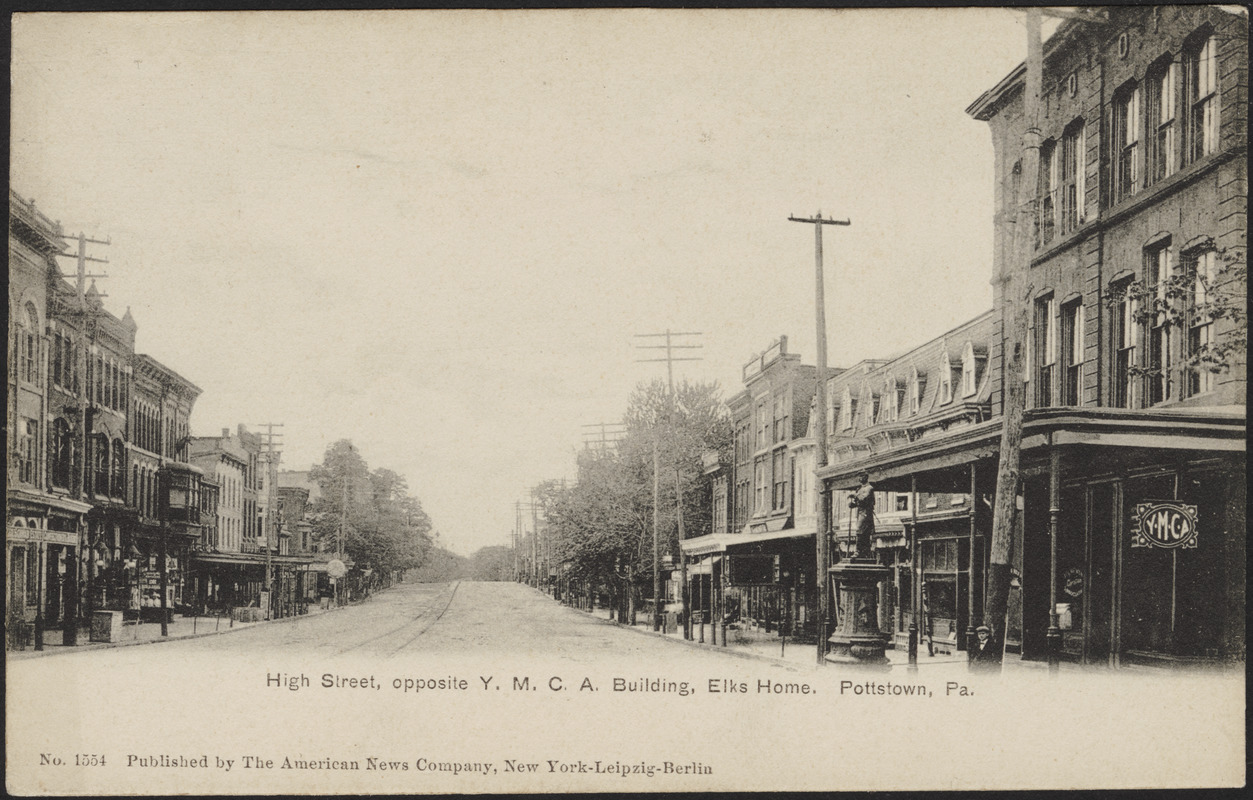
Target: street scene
850,352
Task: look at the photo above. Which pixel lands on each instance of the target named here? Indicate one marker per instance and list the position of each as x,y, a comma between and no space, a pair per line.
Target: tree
1212,289
370,514
602,526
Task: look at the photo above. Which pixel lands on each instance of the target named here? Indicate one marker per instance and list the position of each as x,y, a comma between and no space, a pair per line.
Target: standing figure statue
862,501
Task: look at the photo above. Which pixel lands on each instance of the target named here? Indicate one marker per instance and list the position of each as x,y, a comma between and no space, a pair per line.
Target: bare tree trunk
1016,304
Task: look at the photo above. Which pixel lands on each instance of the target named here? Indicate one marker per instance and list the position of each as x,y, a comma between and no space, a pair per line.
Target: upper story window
1159,332
846,410
969,381
27,436
891,400
1125,310
28,343
1162,156
763,423
1072,352
1202,77
117,486
915,390
1070,174
1127,141
869,406
1202,270
1045,327
62,453
782,417
946,379
1050,178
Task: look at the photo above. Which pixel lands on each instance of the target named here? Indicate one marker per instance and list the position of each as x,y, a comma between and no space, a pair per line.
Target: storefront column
970,565
1054,635
915,577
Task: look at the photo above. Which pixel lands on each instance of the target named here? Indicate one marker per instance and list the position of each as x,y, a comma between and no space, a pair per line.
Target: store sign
1165,524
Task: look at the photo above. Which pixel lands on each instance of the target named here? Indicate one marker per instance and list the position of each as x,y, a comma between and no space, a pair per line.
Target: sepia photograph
626,400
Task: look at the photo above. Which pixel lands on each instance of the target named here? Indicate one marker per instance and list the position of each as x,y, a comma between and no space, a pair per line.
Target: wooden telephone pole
1013,280
82,475
272,456
658,606
820,431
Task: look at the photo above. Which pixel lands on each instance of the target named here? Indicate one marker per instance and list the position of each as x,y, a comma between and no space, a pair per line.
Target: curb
720,650
94,646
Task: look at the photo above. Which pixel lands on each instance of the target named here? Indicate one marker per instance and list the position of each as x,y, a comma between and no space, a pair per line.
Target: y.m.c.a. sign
1164,523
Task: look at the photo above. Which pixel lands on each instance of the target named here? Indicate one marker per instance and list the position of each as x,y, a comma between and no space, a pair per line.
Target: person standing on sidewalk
982,654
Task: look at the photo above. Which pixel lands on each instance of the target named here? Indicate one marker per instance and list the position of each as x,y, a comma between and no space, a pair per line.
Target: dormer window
846,410
969,382
946,379
869,406
915,391
891,400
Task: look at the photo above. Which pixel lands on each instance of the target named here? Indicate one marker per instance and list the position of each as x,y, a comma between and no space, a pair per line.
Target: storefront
1150,549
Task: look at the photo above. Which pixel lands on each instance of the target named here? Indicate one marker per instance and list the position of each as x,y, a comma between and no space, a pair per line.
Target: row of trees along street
383,527
600,528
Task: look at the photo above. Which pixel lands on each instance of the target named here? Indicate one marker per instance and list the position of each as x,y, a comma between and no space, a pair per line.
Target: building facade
1129,541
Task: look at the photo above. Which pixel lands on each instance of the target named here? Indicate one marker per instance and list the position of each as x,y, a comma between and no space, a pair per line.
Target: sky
438,234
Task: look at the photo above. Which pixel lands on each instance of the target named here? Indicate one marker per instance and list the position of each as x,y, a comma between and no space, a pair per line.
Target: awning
705,567
753,538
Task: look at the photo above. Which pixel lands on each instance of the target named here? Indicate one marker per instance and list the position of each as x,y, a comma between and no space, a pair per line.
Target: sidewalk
757,644
180,627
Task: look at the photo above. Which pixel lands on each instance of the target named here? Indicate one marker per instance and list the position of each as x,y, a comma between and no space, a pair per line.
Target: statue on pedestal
862,502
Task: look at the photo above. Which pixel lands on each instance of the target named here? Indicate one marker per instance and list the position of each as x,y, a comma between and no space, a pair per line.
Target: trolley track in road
417,618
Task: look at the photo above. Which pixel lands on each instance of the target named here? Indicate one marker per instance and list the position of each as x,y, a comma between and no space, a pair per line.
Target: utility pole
610,433
82,475
1014,290
272,456
670,347
534,540
820,430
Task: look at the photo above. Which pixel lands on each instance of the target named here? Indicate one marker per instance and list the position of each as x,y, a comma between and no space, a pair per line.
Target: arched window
100,446
29,345
118,486
62,453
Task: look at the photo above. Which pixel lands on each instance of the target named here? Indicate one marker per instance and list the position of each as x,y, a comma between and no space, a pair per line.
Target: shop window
32,578
1127,141
1202,67
1161,115
1202,268
1072,352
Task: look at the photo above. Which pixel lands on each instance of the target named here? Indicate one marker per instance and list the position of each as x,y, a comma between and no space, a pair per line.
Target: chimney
226,433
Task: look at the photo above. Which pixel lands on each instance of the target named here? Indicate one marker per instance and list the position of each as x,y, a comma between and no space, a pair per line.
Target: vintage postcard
638,400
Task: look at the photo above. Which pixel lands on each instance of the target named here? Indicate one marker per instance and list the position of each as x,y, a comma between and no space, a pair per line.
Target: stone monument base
857,640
